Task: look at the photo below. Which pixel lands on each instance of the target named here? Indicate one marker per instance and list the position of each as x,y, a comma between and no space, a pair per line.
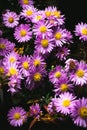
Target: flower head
25,3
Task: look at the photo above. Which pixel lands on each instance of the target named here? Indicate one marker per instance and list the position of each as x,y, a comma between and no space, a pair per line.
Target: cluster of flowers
50,38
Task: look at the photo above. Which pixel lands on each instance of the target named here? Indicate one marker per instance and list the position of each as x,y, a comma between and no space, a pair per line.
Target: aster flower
62,53
63,85
79,77
45,45
5,46
79,112
10,19
42,28
65,102
56,74
81,31
22,33
35,110
16,116
28,12
25,3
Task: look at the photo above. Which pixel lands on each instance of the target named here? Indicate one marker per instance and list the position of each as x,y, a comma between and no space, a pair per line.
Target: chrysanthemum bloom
28,12
25,3
1,32
38,16
35,110
37,60
24,65
5,46
56,74
79,77
23,33
17,116
79,112
63,85
60,36
14,84
71,65
10,19
65,102
35,77
81,31
42,28
45,45
62,53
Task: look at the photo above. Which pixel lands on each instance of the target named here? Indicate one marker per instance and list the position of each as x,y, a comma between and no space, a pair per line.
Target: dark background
75,11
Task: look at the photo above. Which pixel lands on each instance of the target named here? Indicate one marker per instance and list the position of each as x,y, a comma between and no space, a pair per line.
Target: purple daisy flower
79,112
79,77
42,28
25,3
56,74
22,33
63,85
35,110
17,116
10,19
65,102
45,45
62,53
81,31
6,46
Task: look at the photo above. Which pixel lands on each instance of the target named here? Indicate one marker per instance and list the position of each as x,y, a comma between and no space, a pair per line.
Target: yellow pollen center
48,13
25,65
12,59
12,71
11,20
58,74
2,46
44,43
56,14
26,2
80,73
23,32
36,62
29,12
83,112
1,70
43,29
66,103
39,17
64,87
84,31
17,116
58,35
37,76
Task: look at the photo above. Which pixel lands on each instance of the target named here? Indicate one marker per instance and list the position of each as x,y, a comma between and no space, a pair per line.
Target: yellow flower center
64,87
44,43
17,116
80,73
39,17
48,13
26,2
1,70
25,65
11,20
12,71
36,62
29,12
2,46
83,112
37,76
12,59
66,103
43,29
58,35
84,31
56,14
58,74
23,32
